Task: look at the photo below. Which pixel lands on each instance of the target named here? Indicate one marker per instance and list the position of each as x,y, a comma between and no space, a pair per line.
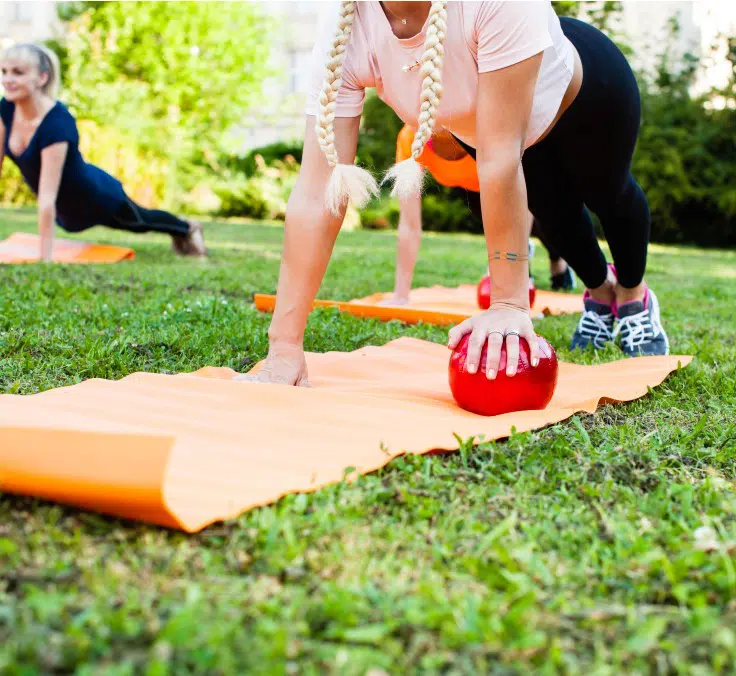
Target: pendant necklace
394,14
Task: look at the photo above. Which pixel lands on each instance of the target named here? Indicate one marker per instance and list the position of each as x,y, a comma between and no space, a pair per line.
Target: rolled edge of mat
117,474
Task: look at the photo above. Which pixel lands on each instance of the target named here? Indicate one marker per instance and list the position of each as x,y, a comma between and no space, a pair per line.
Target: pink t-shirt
481,37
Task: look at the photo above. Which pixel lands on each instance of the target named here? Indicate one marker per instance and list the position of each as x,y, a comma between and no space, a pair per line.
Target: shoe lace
596,327
635,330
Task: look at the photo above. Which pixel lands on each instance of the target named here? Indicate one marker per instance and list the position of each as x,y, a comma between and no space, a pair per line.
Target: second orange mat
185,451
439,305
22,247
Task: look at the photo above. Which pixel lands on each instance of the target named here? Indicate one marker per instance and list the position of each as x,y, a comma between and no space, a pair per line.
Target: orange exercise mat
434,305
22,247
188,450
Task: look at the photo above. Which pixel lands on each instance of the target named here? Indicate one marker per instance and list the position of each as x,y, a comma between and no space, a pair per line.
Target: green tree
173,76
685,154
597,13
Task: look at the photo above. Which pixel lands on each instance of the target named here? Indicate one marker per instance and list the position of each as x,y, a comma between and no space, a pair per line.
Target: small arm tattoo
509,256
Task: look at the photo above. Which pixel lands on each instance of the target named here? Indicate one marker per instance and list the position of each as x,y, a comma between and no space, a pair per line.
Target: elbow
47,209
311,210
410,222
500,168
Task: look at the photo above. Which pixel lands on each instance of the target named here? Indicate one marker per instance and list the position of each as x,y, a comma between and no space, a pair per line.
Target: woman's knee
622,199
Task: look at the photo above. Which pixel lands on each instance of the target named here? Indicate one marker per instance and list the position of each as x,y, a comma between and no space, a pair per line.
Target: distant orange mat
185,451
22,247
439,305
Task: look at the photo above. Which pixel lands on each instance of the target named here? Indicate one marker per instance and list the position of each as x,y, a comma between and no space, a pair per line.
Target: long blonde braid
347,182
408,175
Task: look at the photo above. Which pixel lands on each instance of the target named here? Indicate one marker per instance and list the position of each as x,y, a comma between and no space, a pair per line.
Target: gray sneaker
640,328
595,326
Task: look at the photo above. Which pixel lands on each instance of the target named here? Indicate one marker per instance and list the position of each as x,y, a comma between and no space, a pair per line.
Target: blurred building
27,20
281,113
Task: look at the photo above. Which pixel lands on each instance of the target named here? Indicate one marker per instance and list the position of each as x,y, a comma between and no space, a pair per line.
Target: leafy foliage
281,151
686,157
262,193
171,76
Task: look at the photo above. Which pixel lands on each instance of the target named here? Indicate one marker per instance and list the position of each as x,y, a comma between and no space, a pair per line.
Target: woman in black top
40,135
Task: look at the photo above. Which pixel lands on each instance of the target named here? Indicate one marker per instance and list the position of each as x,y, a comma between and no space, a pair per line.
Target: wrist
512,304
285,340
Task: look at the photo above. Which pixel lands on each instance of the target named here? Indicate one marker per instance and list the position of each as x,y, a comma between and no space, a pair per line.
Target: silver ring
498,332
512,333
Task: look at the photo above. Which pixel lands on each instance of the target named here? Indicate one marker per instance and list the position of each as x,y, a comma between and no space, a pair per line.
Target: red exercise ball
484,293
530,389
532,292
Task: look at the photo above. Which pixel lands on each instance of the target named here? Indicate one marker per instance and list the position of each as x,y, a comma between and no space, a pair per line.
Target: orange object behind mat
185,451
462,173
22,247
434,305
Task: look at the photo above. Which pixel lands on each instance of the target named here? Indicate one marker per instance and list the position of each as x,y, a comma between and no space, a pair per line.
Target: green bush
242,198
380,214
448,211
167,74
271,154
443,210
263,195
686,160
13,189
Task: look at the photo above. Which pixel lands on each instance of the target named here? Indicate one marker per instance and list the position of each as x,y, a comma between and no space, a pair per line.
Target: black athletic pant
585,163
135,218
552,252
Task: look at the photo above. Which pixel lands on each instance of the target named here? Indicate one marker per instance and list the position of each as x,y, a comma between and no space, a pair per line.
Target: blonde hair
43,58
349,182
408,175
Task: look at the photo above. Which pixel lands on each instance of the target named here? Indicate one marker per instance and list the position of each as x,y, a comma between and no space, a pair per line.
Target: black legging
135,218
585,161
552,252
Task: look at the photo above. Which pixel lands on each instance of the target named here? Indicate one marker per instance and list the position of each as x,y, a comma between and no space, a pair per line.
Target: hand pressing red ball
530,389
484,293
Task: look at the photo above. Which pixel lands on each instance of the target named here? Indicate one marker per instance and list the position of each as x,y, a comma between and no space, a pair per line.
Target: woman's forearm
309,237
409,236
406,259
46,219
507,228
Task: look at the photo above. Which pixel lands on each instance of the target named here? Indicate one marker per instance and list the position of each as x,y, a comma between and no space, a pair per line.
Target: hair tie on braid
347,182
408,176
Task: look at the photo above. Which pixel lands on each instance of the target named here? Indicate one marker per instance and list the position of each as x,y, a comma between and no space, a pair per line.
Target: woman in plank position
453,167
40,135
550,110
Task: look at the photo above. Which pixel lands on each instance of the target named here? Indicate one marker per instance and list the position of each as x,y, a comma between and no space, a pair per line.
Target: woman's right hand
46,250
284,365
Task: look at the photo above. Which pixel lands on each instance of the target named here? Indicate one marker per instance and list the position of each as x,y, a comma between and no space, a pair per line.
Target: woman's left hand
493,326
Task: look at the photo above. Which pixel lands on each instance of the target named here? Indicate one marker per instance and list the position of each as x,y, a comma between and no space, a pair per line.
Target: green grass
566,550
